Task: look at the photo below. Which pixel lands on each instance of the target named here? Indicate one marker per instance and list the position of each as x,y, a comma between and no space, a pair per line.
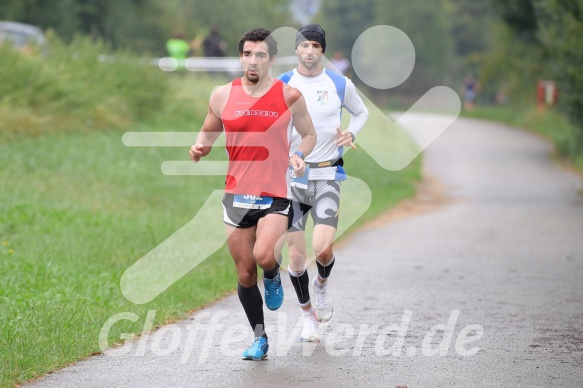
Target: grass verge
567,139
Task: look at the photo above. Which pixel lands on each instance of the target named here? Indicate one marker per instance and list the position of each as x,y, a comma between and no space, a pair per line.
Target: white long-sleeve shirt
326,94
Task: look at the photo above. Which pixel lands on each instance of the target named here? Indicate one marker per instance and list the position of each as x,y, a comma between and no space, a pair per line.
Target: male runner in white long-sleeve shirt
326,93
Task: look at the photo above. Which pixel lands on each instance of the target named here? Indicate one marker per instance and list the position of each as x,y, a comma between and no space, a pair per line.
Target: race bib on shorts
299,182
247,201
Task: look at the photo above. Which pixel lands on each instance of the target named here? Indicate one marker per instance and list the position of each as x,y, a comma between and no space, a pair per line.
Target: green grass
77,208
71,90
549,123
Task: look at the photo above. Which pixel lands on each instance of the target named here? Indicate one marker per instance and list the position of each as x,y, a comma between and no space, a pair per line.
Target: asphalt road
480,285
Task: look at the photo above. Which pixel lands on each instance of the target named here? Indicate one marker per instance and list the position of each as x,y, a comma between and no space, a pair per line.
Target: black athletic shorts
245,213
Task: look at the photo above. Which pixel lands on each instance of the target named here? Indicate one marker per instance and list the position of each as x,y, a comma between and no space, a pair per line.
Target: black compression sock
252,303
301,284
324,272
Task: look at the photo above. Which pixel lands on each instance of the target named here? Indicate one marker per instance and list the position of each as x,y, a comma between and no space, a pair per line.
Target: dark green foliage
561,33
520,15
553,33
127,23
345,21
425,23
145,25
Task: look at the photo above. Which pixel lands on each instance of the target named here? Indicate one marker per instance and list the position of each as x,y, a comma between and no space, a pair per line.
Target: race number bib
299,182
251,201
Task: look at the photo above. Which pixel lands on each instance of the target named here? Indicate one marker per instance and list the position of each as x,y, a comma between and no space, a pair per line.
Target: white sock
320,285
296,274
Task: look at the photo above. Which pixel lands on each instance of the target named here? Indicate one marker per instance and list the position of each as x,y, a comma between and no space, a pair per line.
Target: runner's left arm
359,114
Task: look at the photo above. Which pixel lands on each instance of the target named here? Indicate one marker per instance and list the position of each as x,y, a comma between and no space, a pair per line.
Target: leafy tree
427,26
560,24
520,15
424,22
226,16
345,21
145,25
128,23
553,29
512,66
471,25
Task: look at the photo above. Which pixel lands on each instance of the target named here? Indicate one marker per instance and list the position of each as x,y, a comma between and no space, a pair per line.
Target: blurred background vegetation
508,45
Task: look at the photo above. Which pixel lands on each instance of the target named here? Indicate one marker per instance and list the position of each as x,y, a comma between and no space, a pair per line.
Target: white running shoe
310,329
323,311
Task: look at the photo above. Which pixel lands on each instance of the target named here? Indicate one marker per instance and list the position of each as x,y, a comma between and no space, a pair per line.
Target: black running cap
313,32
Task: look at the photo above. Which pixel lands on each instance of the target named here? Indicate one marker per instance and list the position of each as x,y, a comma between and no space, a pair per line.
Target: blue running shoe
273,292
257,350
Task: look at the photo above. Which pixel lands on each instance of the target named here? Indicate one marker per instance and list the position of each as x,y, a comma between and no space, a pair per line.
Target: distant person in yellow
177,47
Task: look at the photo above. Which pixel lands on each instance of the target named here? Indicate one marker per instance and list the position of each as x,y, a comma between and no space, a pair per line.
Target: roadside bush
77,86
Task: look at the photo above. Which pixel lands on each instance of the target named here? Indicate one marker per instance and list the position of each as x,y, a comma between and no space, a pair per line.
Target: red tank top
257,142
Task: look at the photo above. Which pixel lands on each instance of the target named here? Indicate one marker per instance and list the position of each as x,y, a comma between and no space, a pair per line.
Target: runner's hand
344,139
196,152
298,165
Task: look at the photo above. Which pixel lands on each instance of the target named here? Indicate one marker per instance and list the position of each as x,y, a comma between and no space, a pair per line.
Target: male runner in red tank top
256,113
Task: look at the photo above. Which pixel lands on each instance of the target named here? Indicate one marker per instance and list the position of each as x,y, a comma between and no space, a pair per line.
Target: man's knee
296,250
265,258
246,278
246,271
324,253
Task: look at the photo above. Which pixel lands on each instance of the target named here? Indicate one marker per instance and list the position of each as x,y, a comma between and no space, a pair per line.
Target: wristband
352,136
300,154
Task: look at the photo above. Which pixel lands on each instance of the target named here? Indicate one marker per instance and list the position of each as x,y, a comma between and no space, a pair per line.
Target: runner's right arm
212,126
